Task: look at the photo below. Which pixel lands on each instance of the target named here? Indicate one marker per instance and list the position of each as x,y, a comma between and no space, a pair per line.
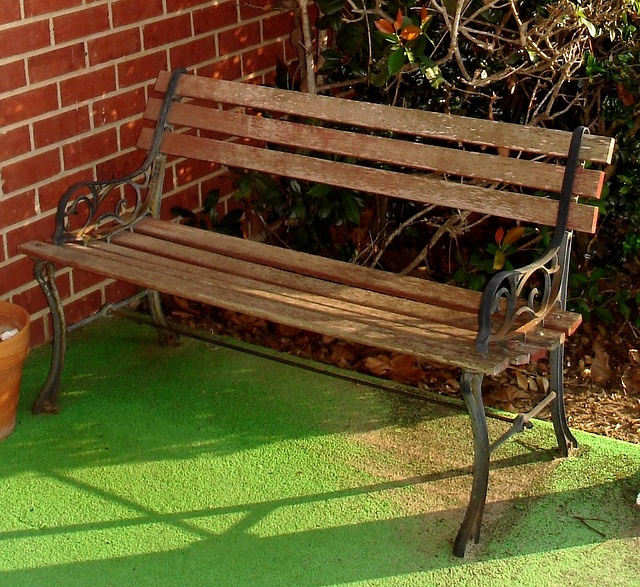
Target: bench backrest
463,163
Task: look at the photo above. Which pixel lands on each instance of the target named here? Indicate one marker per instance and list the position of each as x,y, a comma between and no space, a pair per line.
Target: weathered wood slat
414,122
439,345
331,290
410,288
306,264
493,168
426,190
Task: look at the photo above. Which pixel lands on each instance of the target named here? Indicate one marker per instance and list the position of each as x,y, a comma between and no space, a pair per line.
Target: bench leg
566,440
158,317
46,400
471,388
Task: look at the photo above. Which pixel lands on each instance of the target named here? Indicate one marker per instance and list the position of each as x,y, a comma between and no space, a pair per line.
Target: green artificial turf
197,465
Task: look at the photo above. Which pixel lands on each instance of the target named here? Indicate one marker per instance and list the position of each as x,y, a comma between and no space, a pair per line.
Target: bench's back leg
158,317
566,440
471,388
46,400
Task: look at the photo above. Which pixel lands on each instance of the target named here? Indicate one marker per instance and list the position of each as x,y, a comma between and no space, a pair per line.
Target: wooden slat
414,122
410,288
329,290
439,345
407,287
298,291
422,189
531,174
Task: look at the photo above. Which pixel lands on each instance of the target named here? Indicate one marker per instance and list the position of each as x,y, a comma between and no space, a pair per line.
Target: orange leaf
397,25
378,365
513,234
383,26
625,95
499,235
410,32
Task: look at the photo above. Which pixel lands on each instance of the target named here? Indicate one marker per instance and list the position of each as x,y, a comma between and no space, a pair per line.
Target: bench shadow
232,546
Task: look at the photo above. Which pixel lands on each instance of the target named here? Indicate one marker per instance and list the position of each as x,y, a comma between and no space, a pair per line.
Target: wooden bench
112,228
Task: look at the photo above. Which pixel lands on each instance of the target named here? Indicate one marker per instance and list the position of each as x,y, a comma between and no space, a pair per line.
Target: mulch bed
602,376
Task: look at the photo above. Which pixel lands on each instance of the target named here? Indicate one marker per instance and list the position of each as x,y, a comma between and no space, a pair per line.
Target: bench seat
410,315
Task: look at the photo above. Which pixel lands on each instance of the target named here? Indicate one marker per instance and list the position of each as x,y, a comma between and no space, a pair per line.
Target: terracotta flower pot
12,355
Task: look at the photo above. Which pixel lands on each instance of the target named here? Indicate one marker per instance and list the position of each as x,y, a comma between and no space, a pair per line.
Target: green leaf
396,61
625,310
320,190
211,200
331,6
351,207
604,314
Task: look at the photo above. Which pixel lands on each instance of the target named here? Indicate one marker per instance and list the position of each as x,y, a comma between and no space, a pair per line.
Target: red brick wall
74,77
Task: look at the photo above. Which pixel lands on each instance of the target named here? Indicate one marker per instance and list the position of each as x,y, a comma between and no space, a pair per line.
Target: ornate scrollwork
515,301
98,209
507,308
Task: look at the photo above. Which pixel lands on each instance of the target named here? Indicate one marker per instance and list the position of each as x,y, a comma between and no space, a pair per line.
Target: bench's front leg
566,440
471,388
46,401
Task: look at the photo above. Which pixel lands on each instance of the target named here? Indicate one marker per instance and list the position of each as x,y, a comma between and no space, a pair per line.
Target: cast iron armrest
98,209
504,313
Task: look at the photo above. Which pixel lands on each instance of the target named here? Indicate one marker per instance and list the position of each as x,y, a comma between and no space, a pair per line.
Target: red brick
32,299
83,307
30,171
175,5
290,52
129,134
39,7
192,170
166,31
12,76
255,8
16,274
121,165
49,194
89,85
81,24
14,143
188,198
229,68
141,69
9,11
197,51
56,62
24,38
129,11
262,58
83,280
18,208
215,16
25,105
278,25
118,107
61,126
239,38
113,46
118,291
90,148
40,229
